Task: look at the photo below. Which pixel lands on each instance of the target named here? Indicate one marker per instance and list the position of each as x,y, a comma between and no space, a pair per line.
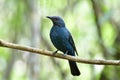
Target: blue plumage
63,41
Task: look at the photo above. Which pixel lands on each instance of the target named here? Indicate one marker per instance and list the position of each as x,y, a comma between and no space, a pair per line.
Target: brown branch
58,55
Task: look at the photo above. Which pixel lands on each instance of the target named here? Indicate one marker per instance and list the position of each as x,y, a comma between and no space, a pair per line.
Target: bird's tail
74,69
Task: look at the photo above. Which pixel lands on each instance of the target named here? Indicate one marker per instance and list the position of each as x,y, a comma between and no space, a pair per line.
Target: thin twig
58,55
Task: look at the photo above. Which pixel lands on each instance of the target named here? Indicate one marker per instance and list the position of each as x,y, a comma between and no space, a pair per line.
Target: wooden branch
58,55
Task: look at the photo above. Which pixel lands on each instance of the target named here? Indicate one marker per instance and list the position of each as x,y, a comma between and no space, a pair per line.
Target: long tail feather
74,69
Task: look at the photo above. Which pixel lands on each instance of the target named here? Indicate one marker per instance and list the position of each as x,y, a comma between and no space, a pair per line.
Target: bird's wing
72,44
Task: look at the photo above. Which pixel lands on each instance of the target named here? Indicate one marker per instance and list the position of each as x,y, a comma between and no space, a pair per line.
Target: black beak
49,17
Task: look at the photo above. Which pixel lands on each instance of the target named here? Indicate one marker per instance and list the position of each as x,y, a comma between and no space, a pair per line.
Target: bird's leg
55,52
65,53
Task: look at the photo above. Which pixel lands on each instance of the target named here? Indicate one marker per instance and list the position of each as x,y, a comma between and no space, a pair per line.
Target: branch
58,55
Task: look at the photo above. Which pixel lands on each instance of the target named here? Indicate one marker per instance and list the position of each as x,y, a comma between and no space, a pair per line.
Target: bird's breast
59,38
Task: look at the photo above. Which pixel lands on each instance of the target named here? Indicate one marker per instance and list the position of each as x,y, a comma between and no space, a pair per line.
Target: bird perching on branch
63,41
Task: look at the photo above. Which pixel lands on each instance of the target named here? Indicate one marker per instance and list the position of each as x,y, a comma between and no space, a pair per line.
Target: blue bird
63,41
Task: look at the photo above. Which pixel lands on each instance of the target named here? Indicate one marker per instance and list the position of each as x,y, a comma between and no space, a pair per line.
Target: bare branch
58,55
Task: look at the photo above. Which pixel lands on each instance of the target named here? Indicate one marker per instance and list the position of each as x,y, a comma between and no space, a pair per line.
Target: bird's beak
49,17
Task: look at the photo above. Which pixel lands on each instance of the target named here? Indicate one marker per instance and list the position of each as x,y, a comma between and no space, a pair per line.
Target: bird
63,41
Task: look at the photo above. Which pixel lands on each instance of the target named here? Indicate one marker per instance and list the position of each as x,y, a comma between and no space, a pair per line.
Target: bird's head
57,21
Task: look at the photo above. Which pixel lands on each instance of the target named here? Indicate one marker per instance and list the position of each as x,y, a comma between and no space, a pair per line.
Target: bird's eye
55,19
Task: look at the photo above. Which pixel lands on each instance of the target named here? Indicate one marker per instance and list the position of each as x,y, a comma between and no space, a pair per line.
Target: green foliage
108,33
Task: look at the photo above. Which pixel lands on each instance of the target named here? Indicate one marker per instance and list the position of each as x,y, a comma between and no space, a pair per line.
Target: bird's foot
55,52
65,53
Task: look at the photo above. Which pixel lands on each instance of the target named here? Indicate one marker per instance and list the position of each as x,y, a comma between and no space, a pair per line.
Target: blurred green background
94,24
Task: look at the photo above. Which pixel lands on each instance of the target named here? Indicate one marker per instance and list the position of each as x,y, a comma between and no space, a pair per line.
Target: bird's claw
65,53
